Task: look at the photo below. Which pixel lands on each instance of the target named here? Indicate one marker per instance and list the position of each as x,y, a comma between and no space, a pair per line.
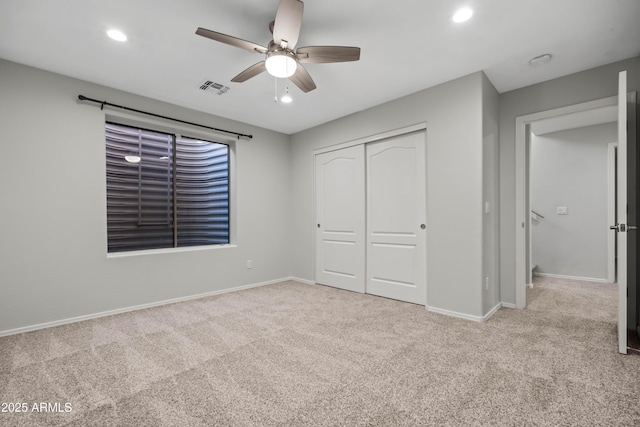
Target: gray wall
586,86
53,260
491,191
454,151
569,169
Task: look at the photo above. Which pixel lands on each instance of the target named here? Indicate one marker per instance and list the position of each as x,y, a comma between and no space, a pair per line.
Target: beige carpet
291,354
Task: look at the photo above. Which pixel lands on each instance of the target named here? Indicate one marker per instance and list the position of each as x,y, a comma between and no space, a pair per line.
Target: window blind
144,199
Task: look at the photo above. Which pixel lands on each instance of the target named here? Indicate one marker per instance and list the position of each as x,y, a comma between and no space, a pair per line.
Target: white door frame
522,223
372,138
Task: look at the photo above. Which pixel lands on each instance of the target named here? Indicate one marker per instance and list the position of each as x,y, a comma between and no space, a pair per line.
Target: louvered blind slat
202,189
140,197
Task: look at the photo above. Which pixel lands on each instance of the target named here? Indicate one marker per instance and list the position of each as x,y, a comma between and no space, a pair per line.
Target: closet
371,218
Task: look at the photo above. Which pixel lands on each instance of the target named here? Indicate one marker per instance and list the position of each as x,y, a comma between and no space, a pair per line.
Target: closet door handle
423,226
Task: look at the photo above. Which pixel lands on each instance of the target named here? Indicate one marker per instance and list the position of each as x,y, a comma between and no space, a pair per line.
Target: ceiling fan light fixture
281,64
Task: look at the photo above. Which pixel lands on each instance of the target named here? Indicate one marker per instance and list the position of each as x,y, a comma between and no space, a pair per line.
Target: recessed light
286,98
117,35
462,15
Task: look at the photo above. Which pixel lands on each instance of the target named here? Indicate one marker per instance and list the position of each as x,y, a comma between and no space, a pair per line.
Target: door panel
396,205
611,210
621,193
340,209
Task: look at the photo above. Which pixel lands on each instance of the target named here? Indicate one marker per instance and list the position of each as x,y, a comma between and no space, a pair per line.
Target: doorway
626,175
589,112
568,187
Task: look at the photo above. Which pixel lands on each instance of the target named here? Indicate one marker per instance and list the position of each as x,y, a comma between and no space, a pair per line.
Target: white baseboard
561,276
491,312
508,304
465,316
137,307
305,281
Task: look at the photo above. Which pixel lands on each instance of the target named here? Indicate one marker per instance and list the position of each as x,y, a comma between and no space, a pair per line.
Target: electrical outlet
486,283
562,210
249,264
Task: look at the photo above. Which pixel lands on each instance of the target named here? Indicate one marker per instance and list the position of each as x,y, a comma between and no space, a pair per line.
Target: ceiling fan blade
320,54
302,79
230,40
286,27
250,72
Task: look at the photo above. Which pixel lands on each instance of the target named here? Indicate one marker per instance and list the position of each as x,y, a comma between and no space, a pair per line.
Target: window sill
170,250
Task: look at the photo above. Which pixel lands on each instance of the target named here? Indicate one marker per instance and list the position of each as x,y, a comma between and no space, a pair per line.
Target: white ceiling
407,46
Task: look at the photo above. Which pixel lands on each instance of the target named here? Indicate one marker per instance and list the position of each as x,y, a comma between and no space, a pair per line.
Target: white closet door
340,209
396,218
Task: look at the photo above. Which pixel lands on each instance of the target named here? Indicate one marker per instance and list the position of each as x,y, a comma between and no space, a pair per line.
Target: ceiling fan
281,59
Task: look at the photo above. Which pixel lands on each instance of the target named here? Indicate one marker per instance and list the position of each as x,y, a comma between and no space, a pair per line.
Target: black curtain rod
103,103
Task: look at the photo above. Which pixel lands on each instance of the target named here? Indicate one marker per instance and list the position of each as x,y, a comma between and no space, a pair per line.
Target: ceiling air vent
211,86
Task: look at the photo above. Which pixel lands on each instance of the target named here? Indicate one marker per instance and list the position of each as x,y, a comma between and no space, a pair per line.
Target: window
165,190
